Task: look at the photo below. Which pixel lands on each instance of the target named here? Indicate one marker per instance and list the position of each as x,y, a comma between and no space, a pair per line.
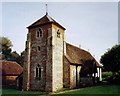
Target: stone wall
72,76
34,58
66,73
57,58
38,58
78,75
26,65
50,59
9,80
64,48
75,76
49,62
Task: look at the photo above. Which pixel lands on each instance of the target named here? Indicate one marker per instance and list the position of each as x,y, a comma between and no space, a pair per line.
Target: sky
91,25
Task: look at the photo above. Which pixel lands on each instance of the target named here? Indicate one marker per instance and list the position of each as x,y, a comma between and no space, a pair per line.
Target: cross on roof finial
46,9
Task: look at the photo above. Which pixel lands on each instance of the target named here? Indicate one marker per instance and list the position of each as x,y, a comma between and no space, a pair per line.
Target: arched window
58,33
38,71
39,33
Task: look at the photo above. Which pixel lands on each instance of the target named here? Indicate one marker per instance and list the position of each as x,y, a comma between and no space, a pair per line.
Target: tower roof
45,20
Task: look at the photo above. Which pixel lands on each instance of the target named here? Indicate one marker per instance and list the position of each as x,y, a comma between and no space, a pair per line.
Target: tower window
38,71
58,33
39,33
38,48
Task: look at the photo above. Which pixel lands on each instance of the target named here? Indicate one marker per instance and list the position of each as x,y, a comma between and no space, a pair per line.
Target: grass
10,90
101,89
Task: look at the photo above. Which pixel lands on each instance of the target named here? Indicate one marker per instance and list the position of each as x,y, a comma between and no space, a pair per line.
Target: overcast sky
92,25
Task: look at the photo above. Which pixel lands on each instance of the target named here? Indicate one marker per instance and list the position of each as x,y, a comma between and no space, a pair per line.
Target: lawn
10,90
101,89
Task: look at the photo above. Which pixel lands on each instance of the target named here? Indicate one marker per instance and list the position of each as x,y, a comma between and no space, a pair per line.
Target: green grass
101,89
10,90
13,91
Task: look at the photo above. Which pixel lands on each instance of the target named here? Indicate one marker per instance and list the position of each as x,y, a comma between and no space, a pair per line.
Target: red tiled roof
10,68
44,20
77,55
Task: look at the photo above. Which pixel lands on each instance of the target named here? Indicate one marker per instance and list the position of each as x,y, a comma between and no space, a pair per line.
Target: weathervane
46,9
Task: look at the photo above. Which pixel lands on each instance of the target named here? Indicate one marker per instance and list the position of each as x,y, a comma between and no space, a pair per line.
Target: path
66,91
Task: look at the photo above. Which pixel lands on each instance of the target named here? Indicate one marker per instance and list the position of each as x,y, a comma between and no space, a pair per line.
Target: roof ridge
43,20
10,62
75,49
35,21
54,21
50,19
78,47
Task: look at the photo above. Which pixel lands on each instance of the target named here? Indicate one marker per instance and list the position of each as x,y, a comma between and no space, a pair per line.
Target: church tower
43,66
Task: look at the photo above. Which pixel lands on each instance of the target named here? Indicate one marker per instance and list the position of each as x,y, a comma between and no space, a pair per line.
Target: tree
7,53
111,60
21,58
18,58
5,48
14,56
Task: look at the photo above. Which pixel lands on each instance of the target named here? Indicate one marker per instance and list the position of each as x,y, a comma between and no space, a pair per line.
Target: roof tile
77,55
10,68
44,20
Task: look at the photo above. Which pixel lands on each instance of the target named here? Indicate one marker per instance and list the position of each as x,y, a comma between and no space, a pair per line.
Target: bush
106,75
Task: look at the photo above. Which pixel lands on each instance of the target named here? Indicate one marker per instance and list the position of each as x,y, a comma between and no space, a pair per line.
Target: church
51,63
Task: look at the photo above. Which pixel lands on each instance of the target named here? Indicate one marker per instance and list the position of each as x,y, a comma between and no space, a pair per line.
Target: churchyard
103,88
